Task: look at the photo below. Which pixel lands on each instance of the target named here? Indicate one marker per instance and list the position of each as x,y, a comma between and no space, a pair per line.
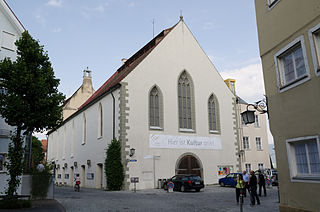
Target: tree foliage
37,155
113,166
29,99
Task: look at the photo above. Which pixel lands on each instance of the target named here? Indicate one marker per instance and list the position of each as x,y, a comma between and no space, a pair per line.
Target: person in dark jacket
253,189
262,183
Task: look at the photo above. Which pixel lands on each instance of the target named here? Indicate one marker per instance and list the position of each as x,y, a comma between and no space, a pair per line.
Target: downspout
114,115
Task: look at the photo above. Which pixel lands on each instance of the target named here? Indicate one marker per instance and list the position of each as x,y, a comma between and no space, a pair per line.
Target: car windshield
195,178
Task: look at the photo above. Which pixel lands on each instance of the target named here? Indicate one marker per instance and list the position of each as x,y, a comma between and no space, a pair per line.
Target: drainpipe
114,115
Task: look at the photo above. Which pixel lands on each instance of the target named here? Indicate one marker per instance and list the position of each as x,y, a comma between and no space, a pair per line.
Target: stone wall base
285,208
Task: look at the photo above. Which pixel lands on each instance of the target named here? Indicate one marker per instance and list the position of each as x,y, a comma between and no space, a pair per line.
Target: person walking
262,183
253,189
239,187
245,180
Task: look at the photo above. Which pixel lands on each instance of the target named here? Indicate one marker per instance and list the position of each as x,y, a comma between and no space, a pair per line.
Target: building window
248,167
304,158
256,121
100,121
84,129
258,143
213,113
66,176
314,38
185,94
72,139
8,40
292,65
2,162
90,176
155,109
246,143
59,176
260,166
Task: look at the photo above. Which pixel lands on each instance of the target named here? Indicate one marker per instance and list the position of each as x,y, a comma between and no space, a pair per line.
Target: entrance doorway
71,177
189,164
99,176
83,176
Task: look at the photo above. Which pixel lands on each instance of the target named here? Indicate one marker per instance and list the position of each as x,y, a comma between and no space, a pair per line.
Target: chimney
124,60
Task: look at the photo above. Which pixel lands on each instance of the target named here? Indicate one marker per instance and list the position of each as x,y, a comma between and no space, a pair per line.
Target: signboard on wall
184,142
224,170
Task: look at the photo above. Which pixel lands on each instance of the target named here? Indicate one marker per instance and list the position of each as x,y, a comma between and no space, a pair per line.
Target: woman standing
239,187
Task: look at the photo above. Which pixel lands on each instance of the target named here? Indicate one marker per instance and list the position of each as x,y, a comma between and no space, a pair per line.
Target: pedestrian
239,187
253,189
245,180
262,183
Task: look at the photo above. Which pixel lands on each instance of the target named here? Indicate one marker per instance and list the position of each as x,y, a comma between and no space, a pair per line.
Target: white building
254,148
253,138
169,103
10,31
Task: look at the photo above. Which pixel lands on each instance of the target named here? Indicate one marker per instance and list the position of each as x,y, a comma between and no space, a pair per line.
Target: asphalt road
212,198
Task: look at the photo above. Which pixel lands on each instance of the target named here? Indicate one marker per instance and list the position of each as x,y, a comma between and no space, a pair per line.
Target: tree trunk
15,164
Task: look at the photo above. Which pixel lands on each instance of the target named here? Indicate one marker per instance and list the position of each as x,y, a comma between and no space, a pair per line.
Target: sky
98,33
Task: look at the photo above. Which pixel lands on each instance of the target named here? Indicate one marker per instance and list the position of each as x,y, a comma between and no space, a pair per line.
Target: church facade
170,109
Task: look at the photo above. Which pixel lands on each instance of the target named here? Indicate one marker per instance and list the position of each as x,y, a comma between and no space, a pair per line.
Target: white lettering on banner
184,142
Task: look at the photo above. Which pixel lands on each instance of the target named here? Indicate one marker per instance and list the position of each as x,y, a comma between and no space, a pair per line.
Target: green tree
113,166
30,100
37,155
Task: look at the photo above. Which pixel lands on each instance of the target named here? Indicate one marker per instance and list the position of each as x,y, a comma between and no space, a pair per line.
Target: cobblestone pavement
212,198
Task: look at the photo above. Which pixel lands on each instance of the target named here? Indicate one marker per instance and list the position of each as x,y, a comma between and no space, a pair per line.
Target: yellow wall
295,112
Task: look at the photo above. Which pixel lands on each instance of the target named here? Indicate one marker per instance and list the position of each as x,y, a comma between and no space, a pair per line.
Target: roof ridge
128,66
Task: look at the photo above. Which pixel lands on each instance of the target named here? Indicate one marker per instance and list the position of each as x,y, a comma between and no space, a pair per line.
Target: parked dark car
185,183
229,180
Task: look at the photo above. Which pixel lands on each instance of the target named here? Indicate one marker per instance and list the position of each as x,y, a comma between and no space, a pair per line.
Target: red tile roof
127,67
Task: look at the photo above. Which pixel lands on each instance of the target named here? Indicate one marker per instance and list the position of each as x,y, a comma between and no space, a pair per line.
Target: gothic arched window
155,108
213,114
185,102
100,121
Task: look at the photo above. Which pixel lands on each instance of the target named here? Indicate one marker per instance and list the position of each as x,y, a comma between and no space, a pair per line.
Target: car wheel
182,188
222,184
198,189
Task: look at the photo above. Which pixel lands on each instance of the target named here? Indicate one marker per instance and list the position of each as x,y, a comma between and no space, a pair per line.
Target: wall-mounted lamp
89,162
248,116
65,165
132,151
75,164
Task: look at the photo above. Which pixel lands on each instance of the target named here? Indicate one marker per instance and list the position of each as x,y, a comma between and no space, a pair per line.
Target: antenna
181,17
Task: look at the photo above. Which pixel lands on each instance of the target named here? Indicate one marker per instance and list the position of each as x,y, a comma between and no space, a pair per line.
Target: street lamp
248,116
132,151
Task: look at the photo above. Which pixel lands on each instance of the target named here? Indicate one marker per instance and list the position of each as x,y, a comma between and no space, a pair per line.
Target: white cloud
99,9
55,3
40,136
249,81
88,11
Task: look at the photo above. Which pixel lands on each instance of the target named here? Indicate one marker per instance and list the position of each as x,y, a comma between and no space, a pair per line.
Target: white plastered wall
178,51
95,147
